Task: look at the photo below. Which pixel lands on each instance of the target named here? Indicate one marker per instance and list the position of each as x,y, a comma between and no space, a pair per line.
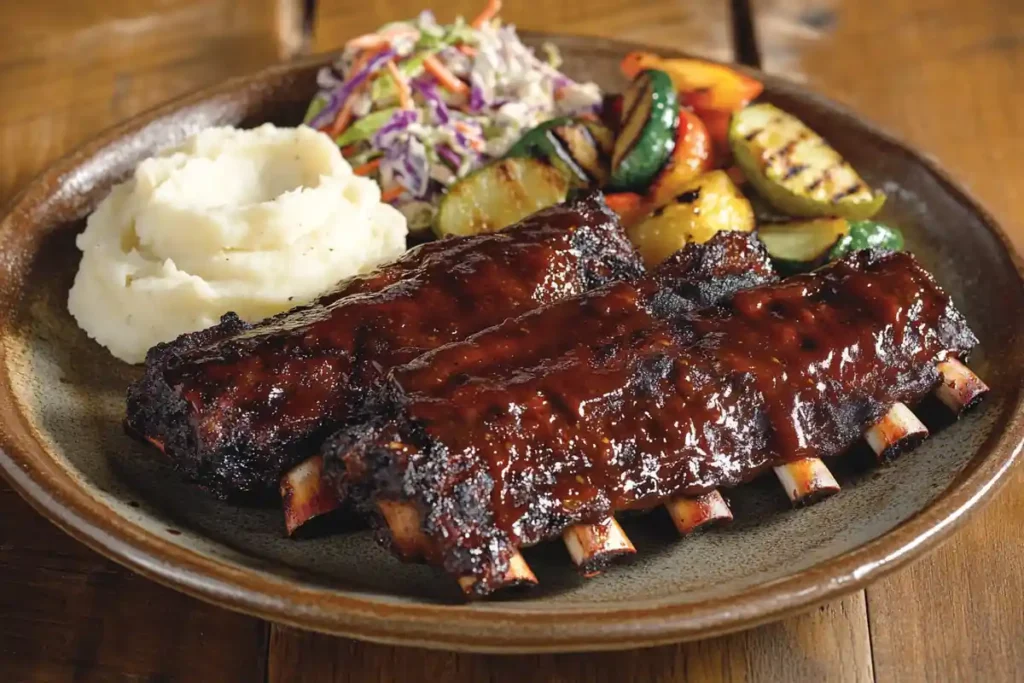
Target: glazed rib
500,441
236,406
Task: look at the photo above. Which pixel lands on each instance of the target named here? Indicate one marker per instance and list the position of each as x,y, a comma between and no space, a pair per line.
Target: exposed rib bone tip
960,389
406,527
518,574
692,514
898,431
806,481
593,546
304,494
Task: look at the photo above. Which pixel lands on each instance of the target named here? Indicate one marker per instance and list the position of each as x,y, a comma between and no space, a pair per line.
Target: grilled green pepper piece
867,235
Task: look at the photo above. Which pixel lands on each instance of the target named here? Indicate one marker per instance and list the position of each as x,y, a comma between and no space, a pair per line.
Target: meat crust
235,406
625,396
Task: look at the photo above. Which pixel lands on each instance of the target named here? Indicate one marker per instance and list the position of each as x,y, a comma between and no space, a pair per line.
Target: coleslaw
418,104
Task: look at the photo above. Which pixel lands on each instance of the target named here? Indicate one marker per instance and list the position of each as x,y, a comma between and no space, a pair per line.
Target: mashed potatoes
250,221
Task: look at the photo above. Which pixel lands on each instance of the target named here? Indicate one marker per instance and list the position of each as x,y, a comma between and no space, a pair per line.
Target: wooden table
941,73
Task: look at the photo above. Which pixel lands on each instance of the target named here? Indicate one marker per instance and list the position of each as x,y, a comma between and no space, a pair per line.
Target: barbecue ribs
236,405
626,396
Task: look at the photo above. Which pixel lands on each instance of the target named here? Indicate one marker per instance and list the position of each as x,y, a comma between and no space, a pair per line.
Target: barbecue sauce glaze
620,398
236,406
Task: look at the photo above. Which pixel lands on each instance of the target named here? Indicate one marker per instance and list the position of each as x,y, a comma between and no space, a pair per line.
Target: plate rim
52,492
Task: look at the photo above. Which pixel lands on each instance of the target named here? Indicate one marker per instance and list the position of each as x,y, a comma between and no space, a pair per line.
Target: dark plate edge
281,600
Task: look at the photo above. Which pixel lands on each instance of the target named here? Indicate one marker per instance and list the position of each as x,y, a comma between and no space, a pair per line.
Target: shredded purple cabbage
450,156
476,95
438,137
399,121
336,100
438,108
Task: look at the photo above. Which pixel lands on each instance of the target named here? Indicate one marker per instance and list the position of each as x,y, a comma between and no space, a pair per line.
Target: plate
63,449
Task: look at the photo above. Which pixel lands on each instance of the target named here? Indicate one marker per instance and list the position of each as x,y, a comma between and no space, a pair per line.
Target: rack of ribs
640,394
236,406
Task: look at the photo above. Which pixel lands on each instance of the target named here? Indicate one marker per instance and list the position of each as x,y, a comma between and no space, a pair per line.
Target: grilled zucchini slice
798,246
795,169
579,148
647,131
499,195
708,205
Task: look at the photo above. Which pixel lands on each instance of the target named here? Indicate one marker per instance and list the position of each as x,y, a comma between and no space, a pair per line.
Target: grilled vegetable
498,195
867,235
717,123
708,205
795,169
797,246
611,111
647,133
690,158
581,149
590,144
712,91
704,85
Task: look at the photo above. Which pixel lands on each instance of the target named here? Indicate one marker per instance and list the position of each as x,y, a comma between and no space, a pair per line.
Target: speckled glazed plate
62,401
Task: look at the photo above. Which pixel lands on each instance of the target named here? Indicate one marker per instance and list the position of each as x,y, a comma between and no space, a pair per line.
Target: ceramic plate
62,401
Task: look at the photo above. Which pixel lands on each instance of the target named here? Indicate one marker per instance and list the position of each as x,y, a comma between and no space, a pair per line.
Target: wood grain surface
947,79
933,71
71,615
828,644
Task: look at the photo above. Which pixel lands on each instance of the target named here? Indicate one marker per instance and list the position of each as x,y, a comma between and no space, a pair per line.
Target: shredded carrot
348,150
367,168
344,116
467,50
370,41
472,136
446,78
490,11
365,56
342,120
392,194
404,92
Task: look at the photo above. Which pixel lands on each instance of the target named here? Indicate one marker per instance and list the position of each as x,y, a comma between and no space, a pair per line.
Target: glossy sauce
615,401
262,399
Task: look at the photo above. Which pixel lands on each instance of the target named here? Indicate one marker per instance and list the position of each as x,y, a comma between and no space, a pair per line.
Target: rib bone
898,431
961,389
692,514
806,481
303,494
518,574
593,546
